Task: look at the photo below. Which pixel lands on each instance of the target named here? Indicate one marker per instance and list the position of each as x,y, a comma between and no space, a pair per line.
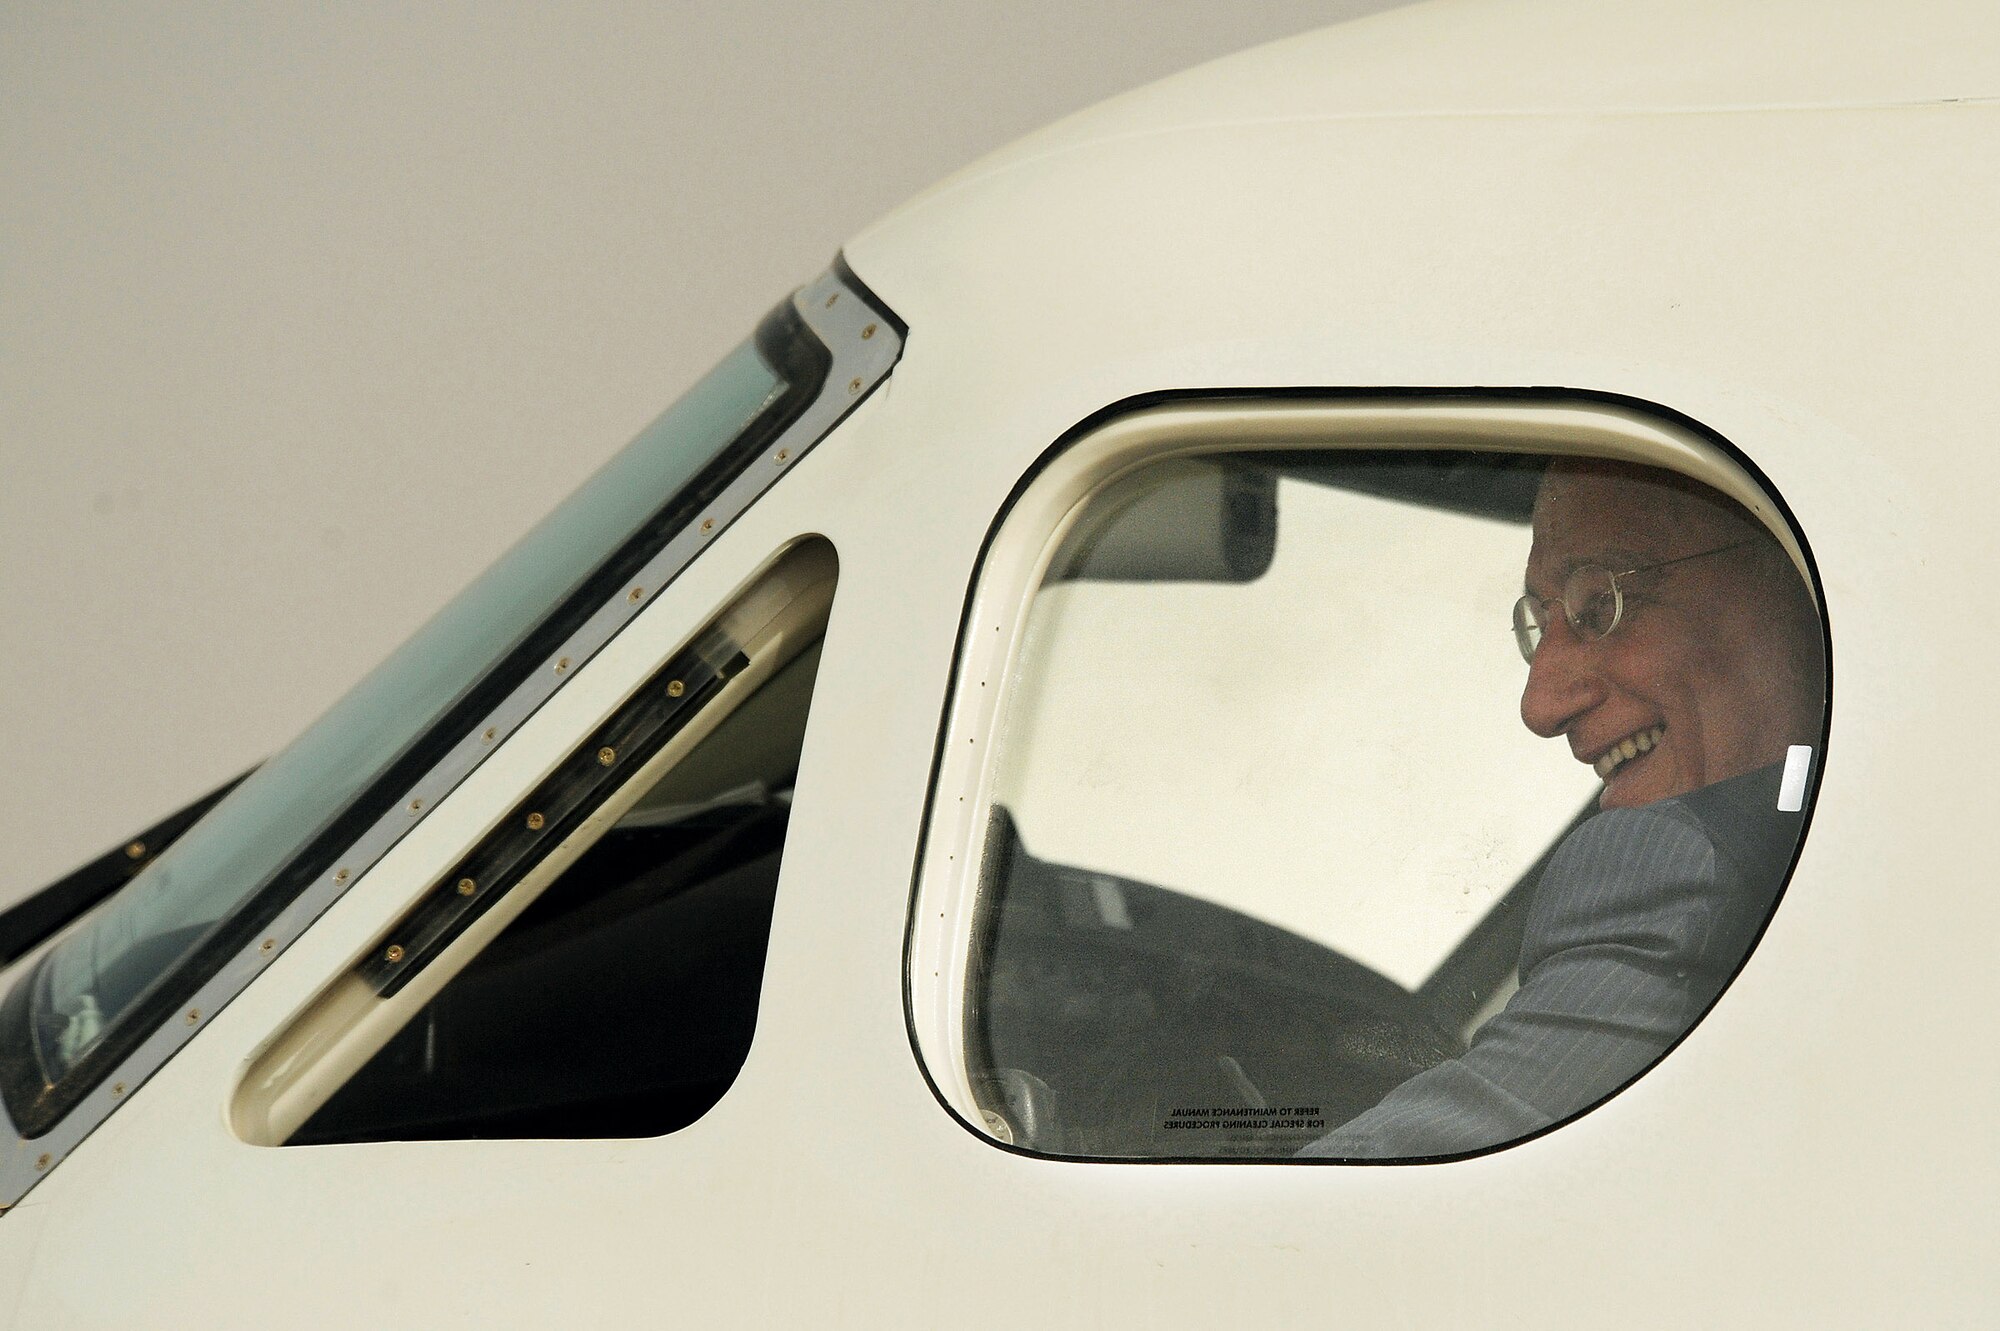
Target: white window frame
1031,528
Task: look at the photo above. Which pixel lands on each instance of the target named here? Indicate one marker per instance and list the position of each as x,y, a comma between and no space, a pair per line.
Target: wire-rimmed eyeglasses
1592,600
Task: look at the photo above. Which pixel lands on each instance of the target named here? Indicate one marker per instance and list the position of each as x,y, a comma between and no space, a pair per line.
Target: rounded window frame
1029,529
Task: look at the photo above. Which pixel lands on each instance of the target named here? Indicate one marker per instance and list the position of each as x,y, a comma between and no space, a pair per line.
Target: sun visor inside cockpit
1196,520
1188,521
1500,486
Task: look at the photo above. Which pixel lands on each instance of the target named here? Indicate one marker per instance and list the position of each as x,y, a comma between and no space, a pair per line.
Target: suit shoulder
1625,873
1641,840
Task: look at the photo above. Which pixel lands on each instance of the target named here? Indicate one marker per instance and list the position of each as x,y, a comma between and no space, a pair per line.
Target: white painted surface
1815,284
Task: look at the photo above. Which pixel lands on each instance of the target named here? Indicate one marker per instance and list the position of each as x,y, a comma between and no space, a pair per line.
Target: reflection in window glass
1320,855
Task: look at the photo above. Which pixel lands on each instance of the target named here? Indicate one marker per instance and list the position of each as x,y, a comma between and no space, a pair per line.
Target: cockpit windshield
93,997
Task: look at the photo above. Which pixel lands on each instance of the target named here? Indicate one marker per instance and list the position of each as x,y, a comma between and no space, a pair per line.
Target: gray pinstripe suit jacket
1639,920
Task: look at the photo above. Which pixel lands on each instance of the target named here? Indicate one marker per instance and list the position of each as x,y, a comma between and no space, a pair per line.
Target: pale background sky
307,312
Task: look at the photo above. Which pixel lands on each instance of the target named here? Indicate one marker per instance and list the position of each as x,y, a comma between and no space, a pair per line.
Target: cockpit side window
1371,803
592,966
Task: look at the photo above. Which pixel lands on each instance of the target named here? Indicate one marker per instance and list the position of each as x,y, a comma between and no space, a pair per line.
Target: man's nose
1561,685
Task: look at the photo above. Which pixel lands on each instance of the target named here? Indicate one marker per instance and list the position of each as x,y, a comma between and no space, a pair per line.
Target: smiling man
1673,646
1669,639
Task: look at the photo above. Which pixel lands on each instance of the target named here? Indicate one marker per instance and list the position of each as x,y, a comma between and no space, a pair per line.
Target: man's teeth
1627,749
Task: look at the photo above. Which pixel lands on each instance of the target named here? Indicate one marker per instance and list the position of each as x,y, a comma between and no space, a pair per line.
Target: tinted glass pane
141,935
